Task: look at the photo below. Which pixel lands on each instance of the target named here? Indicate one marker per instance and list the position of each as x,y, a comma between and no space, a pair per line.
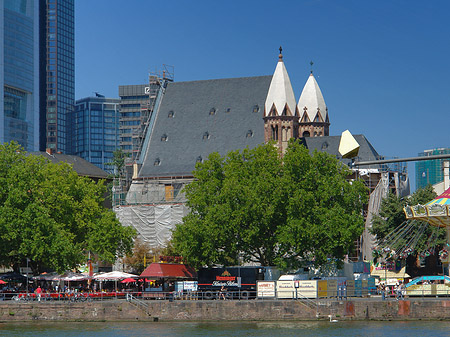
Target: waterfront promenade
215,310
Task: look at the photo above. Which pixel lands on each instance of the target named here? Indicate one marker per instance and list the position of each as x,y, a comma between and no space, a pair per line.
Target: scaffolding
157,83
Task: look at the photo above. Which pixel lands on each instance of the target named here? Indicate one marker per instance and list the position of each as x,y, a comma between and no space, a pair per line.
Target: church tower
313,111
280,114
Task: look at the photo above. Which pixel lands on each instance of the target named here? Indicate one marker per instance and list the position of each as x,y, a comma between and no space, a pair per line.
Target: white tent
114,276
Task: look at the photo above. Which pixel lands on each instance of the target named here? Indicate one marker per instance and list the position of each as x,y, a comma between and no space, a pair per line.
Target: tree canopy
52,216
254,206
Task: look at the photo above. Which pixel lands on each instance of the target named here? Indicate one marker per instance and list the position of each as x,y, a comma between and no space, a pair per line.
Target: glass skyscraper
57,73
19,73
37,81
96,130
430,171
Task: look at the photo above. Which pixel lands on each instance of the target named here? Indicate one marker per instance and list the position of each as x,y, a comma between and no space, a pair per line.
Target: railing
311,300
139,303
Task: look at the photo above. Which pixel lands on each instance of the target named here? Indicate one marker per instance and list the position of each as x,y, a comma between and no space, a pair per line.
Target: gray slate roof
80,165
191,103
330,144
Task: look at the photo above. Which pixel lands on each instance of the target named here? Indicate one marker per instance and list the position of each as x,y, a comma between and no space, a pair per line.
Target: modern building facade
430,171
37,72
19,73
96,130
57,81
133,100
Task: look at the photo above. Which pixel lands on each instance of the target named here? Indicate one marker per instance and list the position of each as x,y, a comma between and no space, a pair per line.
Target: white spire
312,99
280,91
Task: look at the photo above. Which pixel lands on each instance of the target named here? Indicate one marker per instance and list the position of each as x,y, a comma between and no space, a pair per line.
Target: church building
197,118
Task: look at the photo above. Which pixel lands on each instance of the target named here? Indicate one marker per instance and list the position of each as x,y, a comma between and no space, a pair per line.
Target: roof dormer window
228,110
157,162
206,135
199,159
171,114
212,111
164,138
249,134
256,108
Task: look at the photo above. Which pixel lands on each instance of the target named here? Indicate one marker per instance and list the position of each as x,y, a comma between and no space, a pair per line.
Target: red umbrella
128,280
2,282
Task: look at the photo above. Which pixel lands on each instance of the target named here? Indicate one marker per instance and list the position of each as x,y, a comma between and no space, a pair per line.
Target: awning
388,274
169,270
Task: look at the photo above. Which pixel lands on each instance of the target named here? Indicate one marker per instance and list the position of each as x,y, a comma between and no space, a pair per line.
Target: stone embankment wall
252,310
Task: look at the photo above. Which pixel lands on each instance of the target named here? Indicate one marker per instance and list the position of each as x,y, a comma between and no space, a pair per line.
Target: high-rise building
19,73
134,99
430,171
96,130
57,82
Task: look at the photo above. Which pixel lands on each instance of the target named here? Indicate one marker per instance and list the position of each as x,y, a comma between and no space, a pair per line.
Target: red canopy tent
169,270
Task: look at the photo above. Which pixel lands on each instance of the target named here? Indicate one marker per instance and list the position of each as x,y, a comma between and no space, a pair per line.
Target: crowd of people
398,290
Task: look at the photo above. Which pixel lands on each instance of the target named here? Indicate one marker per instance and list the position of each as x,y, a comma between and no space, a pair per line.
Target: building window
157,162
256,108
206,135
212,111
228,110
249,134
171,114
169,192
164,138
199,159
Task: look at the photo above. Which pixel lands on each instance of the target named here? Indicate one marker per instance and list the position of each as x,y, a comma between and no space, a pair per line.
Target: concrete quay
215,310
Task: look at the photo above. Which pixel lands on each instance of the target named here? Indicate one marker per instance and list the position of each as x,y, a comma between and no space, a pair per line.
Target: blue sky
382,66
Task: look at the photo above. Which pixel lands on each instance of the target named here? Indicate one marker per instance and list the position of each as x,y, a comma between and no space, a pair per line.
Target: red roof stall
169,270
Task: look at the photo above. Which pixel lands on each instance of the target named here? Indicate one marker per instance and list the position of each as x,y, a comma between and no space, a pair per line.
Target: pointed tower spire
280,99
280,118
313,111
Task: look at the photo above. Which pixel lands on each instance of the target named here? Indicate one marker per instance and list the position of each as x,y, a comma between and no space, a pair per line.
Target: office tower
19,73
430,171
57,80
96,130
134,99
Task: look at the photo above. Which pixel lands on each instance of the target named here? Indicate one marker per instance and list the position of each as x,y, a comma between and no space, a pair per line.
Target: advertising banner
266,289
322,289
286,289
350,288
332,286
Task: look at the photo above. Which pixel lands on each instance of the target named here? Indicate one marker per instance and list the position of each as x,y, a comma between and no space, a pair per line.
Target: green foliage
391,216
52,216
254,206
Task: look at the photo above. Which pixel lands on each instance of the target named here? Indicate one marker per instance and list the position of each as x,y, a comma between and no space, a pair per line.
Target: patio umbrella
114,276
128,280
2,282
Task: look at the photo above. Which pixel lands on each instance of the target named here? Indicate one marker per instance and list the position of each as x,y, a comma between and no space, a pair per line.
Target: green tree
52,216
253,206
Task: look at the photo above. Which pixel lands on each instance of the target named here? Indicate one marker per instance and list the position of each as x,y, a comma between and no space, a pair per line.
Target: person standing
38,293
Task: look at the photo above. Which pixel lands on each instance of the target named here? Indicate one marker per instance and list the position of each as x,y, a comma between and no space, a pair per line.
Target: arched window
274,132
306,134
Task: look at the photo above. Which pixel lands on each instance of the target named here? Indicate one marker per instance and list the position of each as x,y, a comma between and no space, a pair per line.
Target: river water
348,328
